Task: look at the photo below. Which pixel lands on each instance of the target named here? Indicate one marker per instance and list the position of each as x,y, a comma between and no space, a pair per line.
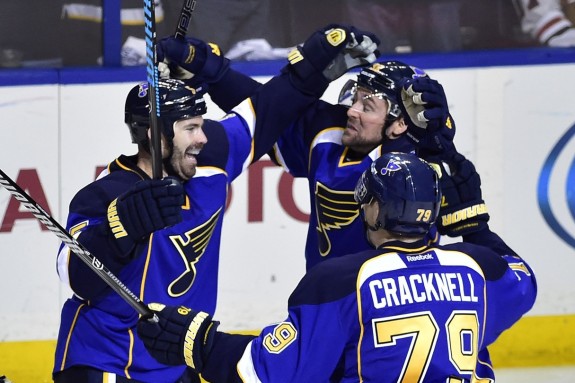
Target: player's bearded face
365,121
189,139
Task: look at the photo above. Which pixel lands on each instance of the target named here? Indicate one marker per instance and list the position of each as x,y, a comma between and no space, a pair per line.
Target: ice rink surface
559,374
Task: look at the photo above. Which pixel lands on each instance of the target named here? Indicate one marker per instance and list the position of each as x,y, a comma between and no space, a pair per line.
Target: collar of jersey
405,247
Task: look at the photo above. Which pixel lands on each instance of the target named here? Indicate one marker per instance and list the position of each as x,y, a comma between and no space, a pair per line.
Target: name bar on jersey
424,287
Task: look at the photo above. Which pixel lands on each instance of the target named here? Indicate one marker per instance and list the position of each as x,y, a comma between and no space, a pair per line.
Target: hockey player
548,21
331,145
403,311
162,237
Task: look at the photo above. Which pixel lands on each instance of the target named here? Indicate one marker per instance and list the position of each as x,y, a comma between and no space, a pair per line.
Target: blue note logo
556,188
391,167
143,90
418,72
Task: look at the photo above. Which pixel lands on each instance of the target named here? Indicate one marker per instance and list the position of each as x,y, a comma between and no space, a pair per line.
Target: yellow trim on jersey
146,265
408,250
374,155
330,133
130,354
186,205
342,162
69,336
77,228
123,166
247,112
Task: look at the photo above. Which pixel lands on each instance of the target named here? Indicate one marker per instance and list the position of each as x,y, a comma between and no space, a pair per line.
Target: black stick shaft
77,248
185,16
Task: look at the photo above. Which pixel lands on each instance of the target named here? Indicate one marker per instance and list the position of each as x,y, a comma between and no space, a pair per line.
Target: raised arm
328,54
511,286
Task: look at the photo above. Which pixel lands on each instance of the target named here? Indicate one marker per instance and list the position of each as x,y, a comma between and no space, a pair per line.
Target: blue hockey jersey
177,265
311,148
400,313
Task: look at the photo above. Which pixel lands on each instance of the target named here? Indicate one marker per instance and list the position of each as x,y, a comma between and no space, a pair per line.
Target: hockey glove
462,210
329,53
361,49
181,336
148,206
191,57
424,107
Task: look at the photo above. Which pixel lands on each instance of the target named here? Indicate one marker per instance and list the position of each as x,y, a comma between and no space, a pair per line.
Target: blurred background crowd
56,33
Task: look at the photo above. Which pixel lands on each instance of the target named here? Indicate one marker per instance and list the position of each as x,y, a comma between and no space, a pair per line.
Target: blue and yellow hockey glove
426,112
181,335
192,58
329,53
462,210
148,206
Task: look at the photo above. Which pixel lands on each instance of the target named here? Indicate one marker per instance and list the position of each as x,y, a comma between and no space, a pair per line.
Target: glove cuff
214,60
304,76
465,220
124,242
198,340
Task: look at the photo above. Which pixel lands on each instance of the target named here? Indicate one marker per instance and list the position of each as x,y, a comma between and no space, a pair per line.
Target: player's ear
397,129
149,133
402,125
372,212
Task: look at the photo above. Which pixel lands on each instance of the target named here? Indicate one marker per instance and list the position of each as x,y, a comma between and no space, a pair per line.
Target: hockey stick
90,260
153,91
153,75
185,16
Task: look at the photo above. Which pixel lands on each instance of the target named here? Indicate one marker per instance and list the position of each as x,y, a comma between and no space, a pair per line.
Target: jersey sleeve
283,352
511,287
232,89
256,123
276,105
292,150
305,347
509,297
489,239
87,223
291,153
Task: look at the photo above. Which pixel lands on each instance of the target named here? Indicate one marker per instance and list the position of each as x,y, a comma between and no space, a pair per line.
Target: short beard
170,170
362,146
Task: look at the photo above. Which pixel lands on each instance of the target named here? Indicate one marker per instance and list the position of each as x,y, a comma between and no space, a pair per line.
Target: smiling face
366,119
189,139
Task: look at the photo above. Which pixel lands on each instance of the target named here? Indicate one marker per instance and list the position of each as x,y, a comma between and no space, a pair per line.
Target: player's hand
426,112
361,49
462,210
189,57
329,53
148,206
181,335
